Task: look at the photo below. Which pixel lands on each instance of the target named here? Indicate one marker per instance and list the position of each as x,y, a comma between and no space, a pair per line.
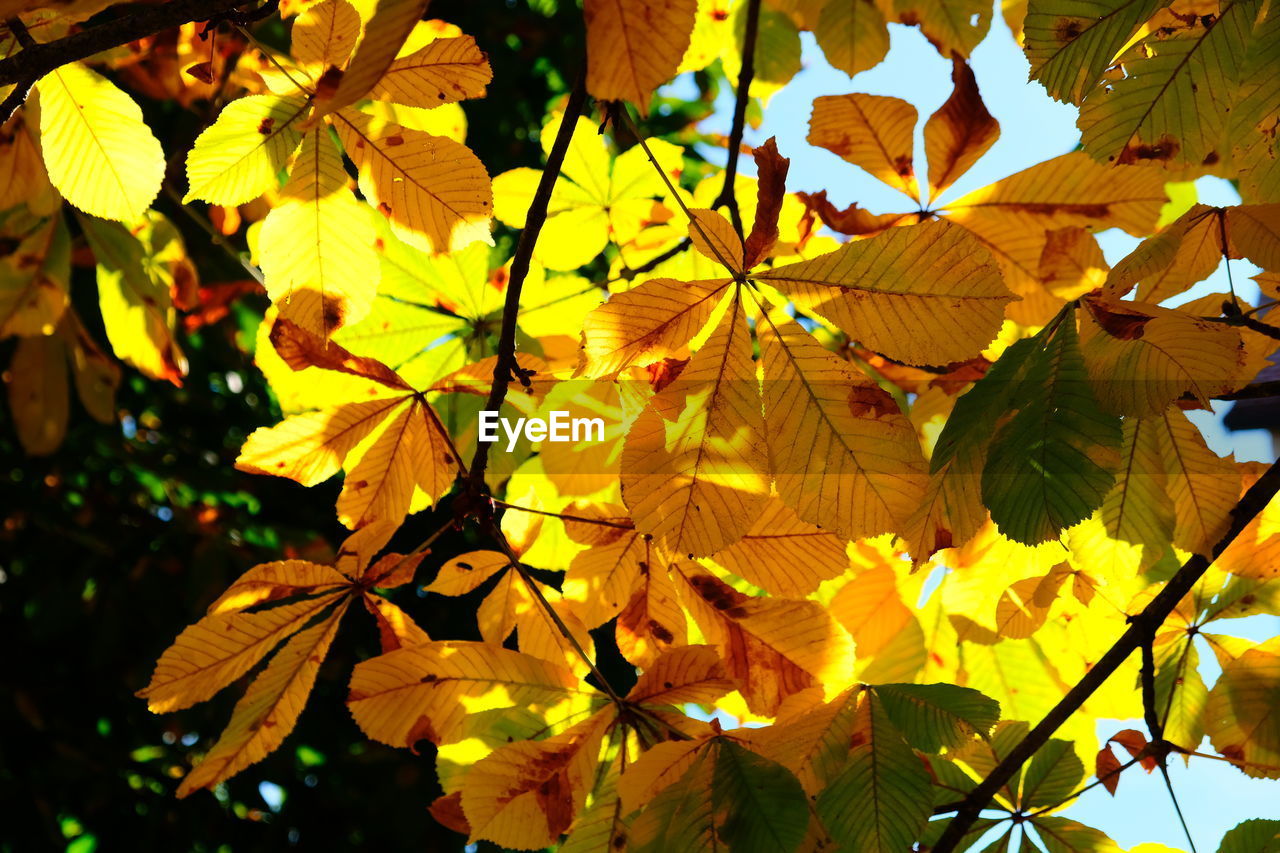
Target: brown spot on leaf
1162,150
659,632
422,730
1065,30
266,125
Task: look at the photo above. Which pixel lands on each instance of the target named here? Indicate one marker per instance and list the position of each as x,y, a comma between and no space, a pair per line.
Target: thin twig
1095,783
694,224
653,263
745,75
534,588
506,365
563,515
1141,628
215,236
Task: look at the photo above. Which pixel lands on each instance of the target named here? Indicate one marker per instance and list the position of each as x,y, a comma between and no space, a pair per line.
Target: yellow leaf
269,709
634,46
1255,553
239,156
319,238
871,609
852,35
870,131
275,581
406,451
594,202
1185,252
428,691
38,398
99,152
35,278
443,72
954,27
601,580
398,457
96,375
844,456
22,166
771,648
1203,486
434,191
646,324
694,467
524,795
784,555
467,572
682,675
1072,264
134,294
1242,717
323,36
385,30
653,620
310,447
1143,357
713,236
221,647
925,294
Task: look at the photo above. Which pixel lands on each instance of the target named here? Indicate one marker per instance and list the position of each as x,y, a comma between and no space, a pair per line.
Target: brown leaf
1107,768
448,811
853,219
960,132
772,170
301,349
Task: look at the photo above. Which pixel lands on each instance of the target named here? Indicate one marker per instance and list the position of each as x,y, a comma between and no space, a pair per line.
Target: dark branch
506,367
654,262
1141,627
19,31
37,60
1255,391
745,75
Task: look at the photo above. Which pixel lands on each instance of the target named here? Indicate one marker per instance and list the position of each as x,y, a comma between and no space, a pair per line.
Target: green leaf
1172,103
1051,464
766,807
932,716
1070,43
1252,836
728,796
1053,773
1178,669
969,427
1060,835
881,801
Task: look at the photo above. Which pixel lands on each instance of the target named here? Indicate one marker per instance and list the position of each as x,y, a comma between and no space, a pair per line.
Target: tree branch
745,75
37,60
1142,627
1256,391
507,365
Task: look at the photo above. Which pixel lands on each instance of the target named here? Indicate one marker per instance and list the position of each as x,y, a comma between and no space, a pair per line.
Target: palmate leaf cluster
885,486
